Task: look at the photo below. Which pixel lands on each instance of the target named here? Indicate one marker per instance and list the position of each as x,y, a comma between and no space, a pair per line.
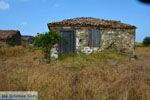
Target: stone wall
117,39
14,39
10,37
82,41
121,40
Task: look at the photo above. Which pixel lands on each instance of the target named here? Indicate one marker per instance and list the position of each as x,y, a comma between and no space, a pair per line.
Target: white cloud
4,5
24,23
56,5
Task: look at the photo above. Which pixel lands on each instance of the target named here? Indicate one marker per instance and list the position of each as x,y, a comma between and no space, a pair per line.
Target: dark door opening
68,45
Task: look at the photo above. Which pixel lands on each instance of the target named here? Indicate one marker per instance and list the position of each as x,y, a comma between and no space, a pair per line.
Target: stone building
26,40
87,35
11,37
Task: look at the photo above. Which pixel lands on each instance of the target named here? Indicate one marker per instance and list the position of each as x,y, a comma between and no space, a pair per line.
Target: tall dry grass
102,76
8,51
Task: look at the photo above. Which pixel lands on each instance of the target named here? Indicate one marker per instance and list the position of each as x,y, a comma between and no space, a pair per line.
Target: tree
47,41
146,41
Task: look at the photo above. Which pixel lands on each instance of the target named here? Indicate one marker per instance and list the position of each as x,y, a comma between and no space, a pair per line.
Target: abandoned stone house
11,37
87,35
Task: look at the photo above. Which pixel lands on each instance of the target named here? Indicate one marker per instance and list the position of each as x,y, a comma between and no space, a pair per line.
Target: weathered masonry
87,35
11,37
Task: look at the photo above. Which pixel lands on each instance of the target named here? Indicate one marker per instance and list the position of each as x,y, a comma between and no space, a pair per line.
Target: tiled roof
89,21
5,33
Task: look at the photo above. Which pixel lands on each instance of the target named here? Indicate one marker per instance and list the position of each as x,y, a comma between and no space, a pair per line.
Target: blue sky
32,16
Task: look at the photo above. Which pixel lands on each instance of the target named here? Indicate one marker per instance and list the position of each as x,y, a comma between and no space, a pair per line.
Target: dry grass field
101,76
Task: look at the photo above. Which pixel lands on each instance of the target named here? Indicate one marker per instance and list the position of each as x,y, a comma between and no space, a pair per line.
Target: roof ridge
91,21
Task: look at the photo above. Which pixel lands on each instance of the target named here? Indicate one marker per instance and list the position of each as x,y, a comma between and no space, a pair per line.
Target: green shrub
146,41
47,41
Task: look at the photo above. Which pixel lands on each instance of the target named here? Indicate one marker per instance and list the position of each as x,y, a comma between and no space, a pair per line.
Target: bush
146,41
47,41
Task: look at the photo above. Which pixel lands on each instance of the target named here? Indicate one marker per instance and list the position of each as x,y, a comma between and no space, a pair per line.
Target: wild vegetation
101,76
47,41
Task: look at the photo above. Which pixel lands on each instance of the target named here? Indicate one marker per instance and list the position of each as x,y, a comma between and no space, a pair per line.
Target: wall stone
81,39
54,53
